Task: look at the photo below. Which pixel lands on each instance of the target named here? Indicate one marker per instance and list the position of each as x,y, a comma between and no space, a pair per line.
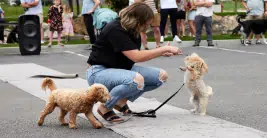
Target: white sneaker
161,39
177,39
42,41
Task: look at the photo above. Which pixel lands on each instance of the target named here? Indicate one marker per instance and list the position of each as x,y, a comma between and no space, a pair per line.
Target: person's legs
120,83
163,21
155,27
157,35
2,32
41,19
153,77
208,25
183,28
192,27
50,38
59,38
173,17
199,26
88,21
178,22
144,39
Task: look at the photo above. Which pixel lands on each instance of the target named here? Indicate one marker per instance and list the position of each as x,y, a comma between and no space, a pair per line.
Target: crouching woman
113,57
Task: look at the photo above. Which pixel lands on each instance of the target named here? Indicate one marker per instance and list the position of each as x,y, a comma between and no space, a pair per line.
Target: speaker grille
30,29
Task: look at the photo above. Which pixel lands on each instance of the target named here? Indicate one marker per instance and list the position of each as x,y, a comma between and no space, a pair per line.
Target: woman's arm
97,3
145,55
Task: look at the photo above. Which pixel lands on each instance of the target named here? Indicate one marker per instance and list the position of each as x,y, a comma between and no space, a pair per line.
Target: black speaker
29,35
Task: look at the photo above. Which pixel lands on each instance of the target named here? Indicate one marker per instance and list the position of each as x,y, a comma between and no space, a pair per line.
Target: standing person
191,16
204,17
181,12
89,7
155,25
55,21
114,54
2,28
67,22
34,7
168,7
257,10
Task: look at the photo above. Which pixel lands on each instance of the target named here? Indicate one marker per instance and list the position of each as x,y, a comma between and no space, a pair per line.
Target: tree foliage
117,5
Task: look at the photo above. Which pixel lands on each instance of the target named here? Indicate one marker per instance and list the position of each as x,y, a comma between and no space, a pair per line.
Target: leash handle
168,99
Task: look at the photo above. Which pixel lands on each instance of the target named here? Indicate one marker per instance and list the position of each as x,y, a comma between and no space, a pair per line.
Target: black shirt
107,50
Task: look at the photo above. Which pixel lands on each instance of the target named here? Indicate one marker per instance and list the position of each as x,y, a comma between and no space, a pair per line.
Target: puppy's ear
204,67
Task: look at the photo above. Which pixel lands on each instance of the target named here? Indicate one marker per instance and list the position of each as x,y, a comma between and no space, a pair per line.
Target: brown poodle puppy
74,101
193,78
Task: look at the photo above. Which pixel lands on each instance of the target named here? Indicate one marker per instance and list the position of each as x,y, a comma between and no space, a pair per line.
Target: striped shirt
152,5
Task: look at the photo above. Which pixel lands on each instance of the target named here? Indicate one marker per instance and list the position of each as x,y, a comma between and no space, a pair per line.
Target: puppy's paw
193,110
71,126
202,114
40,122
97,125
64,124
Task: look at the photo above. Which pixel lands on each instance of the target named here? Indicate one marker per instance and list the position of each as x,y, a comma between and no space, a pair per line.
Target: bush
117,5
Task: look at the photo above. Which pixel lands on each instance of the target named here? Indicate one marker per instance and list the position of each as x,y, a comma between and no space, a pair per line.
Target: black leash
65,76
152,112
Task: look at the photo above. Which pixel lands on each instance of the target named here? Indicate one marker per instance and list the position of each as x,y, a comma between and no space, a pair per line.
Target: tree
236,2
117,5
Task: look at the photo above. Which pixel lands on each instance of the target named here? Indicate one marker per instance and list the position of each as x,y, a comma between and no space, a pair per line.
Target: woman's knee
139,79
163,75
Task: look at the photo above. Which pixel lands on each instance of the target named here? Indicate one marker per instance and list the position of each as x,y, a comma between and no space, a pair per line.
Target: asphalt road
237,74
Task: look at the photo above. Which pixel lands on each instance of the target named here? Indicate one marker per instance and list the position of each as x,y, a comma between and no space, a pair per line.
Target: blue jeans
120,82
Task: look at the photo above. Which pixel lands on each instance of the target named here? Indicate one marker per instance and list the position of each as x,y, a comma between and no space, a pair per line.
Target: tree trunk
71,5
78,7
235,5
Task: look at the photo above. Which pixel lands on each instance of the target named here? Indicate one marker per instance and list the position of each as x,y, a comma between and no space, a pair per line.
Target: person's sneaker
177,39
210,43
248,42
258,41
42,42
162,39
196,43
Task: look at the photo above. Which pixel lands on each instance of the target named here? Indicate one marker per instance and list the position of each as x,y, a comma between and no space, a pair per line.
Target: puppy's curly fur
74,101
193,79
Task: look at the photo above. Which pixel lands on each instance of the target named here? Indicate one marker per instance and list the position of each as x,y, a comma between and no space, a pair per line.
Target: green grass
229,6
15,11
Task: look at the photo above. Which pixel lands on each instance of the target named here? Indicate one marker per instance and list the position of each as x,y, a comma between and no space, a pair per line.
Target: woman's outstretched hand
172,50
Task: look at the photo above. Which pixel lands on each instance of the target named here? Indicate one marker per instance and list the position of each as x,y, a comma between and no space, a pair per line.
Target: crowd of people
196,13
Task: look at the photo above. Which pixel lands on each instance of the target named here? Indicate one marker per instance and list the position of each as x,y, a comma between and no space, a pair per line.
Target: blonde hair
66,8
135,16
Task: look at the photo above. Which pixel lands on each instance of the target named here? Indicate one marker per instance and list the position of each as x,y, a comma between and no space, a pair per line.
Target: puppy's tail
47,82
209,91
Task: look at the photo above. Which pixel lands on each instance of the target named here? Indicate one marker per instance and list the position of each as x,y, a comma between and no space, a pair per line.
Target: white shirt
131,2
168,4
34,10
204,11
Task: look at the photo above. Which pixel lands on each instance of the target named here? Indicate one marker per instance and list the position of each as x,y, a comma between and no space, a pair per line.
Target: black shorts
181,15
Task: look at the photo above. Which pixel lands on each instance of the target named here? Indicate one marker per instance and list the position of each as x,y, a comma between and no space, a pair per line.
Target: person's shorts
181,15
254,17
156,20
41,17
192,15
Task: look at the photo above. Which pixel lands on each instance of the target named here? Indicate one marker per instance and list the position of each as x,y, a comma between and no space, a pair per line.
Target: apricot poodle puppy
74,101
193,79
